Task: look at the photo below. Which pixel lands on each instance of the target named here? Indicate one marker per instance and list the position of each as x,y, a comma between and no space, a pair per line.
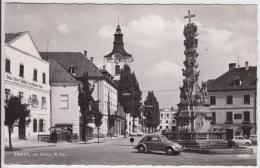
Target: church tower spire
116,59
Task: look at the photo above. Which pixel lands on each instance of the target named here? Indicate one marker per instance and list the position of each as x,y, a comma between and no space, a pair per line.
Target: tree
136,99
97,116
85,100
14,111
152,112
124,88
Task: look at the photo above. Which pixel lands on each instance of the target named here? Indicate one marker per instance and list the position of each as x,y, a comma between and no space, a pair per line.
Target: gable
26,44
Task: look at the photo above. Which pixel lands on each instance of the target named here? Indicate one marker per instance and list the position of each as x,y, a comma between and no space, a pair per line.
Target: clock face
117,57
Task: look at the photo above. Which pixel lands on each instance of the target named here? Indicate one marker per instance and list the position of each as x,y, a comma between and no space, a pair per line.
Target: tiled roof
74,59
10,36
226,81
59,74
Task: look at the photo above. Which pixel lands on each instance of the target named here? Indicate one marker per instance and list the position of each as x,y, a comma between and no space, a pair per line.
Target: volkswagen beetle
158,143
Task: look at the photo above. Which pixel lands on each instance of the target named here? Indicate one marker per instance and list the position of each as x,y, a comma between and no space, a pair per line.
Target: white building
65,111
105,90
27,76
233,101
167,119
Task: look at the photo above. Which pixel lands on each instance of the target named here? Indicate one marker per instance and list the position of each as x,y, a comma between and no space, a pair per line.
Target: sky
153,34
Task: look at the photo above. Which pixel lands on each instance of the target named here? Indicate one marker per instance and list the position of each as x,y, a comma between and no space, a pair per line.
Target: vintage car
240,141
158,143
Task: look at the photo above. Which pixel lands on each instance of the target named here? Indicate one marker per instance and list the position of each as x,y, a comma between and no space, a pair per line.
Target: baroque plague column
193,112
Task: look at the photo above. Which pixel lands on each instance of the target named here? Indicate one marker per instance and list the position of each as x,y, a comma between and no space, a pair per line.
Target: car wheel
141,149
169,151
247,144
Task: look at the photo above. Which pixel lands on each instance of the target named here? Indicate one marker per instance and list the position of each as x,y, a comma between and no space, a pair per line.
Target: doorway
229,134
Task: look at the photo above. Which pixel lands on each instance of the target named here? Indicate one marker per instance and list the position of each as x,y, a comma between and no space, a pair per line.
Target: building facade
233,101
65,111
167,119
105,90
27,76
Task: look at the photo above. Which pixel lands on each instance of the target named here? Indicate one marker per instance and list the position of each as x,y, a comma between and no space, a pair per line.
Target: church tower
116,59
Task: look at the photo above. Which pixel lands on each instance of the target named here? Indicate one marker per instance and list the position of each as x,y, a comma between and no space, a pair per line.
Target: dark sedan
158,143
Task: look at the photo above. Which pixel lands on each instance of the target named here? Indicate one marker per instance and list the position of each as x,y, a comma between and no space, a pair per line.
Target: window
237,116
117,69
167,115
21,70
7,95
64,101
34,125
229,116
43,77
73,70
167,127
35,74
246,99
237,82
41,125
173,121
229,99
246,116
160,127
35,101
212,100
7,65
166,121
44,103
161,115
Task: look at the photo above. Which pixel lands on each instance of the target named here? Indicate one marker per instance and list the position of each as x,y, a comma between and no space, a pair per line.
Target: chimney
86,53
232,66
92,59
246,65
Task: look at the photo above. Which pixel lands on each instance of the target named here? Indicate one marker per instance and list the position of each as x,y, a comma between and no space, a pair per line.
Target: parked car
240,140
140,133
132,133
158,143
253,138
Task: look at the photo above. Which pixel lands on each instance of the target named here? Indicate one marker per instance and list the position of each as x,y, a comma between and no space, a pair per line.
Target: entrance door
229,134
21,130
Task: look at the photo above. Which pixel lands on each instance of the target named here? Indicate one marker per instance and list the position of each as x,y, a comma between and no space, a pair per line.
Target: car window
148,138
156,139
241,138
236,137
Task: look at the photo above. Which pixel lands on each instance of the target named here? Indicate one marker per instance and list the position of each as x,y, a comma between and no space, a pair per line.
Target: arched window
117,69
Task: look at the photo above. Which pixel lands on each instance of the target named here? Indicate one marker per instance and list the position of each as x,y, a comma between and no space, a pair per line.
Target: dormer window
117,69
73,70
237,82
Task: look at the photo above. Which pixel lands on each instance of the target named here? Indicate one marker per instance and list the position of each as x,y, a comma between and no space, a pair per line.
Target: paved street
117,152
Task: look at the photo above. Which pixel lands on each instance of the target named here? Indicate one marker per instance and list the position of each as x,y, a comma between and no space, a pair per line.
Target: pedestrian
111,132
55,136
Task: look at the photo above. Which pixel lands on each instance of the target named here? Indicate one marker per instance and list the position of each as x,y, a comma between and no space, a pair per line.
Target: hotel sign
23,81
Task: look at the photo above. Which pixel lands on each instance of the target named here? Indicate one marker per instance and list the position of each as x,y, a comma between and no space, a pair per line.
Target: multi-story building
27,76
65,111
167,119
233,100
105,91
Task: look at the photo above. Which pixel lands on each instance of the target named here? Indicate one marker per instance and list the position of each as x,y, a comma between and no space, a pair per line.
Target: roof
57,73
11,36
74,59
226,81
118,46
78,60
